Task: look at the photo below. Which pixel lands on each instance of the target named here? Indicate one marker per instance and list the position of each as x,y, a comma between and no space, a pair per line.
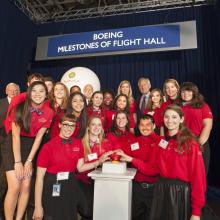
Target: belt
145,185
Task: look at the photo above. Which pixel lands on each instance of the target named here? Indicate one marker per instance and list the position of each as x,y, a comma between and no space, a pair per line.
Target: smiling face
144,86
66,129
108,99
97,100
59,91
146,127
121,120
77,103
12,90
171,90
38,94
121,103
95,127
125,88
172,121
156,97
187,95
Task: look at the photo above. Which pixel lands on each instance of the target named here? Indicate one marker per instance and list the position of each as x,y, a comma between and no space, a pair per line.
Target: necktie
66,141
38,111
143,104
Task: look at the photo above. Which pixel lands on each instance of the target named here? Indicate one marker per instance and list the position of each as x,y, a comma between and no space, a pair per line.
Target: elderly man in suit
12,89
144,86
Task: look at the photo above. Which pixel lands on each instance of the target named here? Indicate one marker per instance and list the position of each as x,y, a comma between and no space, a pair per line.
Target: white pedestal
112,195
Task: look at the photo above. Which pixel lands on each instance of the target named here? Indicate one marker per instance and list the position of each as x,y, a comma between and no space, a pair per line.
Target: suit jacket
3,112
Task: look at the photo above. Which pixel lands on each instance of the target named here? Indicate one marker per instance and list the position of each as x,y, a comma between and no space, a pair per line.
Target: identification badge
151,113
56,190
163,143
92,156
135,146
63,176
113,116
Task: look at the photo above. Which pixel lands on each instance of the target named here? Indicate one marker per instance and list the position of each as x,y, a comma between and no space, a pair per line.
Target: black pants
3,181
206,156
85,204
63,207
141,201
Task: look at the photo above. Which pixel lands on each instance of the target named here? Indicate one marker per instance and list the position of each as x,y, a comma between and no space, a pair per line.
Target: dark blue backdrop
202,66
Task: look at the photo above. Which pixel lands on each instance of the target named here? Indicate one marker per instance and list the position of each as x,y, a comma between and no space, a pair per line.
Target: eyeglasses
66,125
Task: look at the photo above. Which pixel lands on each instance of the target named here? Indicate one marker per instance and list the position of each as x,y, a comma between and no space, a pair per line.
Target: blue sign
115,40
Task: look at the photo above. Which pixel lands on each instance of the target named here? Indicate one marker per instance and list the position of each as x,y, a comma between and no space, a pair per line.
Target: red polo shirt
39,121
96,112
58,157
185,166
157,115
132,107
54,129
146,152
122,141
194,117
105,146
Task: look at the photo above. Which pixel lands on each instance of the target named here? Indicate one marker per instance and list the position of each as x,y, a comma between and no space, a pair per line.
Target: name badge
151,113
113,116
63,176
163,143
135,146
56,190
92,156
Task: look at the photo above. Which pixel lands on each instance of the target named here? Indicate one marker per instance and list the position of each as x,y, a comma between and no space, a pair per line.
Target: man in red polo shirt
143,185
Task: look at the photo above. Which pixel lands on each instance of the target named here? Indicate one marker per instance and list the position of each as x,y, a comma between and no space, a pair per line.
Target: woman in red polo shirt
30,121
95,106
95,145
57,193
198,117
179,193
154,108
120,136
125,88
58,101
76,105
121,103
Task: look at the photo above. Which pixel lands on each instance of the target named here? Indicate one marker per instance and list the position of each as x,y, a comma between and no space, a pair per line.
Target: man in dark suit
12,90
144,86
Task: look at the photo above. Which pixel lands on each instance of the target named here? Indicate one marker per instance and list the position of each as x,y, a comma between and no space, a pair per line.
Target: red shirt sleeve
206,112
11,110
147,168
43,159
197,179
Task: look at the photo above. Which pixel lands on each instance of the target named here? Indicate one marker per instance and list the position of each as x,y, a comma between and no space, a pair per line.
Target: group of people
51,138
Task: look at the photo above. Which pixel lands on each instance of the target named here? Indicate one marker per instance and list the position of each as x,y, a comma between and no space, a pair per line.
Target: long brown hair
22,112
197,99
114,123
150,102
184,136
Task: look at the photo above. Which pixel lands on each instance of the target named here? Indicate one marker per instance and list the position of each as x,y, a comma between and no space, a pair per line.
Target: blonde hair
85,139
176,84
130,94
